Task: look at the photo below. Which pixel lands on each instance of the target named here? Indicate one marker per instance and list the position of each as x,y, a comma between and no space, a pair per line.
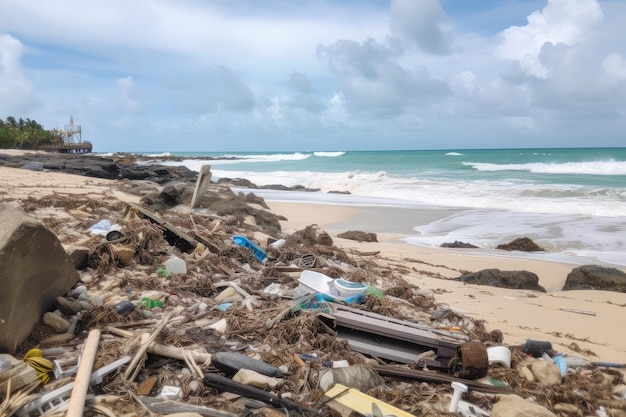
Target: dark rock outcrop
118,166
523,280
35,271
359,236
457,244
597,278
522,244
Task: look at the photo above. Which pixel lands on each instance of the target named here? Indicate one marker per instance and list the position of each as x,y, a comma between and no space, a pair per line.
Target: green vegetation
25,134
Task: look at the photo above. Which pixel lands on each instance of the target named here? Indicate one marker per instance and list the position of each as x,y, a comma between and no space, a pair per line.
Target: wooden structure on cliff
70,140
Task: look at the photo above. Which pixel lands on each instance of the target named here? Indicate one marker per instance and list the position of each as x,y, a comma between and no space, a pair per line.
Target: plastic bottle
560,362
5,363
123,308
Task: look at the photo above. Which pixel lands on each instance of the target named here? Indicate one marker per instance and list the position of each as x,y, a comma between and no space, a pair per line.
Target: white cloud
223,74
126,90
16,94
336,115
374,83
615,65
423,23
561,21
463,84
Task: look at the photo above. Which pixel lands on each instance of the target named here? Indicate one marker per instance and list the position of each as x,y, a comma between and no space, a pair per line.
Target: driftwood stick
133,369
571,310
192,365
118,332
83,375
178,353
165,350
290,306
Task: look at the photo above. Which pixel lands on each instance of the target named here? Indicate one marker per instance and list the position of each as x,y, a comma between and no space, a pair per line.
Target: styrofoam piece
170,392
499,354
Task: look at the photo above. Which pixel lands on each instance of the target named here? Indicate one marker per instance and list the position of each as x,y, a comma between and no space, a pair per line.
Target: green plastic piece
163,273
150,303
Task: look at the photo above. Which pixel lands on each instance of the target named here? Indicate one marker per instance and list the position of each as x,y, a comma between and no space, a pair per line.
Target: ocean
570,201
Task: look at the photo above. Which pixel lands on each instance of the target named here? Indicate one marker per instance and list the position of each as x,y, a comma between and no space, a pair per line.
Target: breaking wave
329,154
609,167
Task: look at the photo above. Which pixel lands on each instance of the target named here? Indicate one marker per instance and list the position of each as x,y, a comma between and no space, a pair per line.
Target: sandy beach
519,314
582,323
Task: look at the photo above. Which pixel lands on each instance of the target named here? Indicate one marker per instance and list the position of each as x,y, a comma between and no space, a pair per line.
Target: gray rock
79,290
35,270
58,323
67,306
91,165
523,244
33,166
596,277
523,280
458,244
79,255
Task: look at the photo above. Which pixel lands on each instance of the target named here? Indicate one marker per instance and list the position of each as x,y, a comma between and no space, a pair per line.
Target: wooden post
202,183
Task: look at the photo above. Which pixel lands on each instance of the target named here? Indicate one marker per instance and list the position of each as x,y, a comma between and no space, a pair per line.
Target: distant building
70,140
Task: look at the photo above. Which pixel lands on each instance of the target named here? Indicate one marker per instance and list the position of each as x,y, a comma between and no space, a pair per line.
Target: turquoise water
601,166
572,201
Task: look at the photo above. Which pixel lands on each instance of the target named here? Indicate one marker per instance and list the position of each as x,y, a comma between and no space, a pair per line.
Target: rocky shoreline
120,166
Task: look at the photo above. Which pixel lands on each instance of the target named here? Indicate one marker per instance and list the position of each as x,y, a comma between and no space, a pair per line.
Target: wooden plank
344,400
20,375
389,338
172,234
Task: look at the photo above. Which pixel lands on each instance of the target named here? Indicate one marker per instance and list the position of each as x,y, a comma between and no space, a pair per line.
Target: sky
318,75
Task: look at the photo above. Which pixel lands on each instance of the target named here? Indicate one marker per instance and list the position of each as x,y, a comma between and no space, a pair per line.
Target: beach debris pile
215,311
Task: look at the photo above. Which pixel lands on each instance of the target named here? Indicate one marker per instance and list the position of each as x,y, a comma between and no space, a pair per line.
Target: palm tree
11,123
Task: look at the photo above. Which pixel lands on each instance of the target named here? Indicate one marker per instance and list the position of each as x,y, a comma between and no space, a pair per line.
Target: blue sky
280,75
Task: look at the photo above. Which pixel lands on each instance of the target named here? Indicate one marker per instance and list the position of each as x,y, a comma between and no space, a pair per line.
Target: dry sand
520,315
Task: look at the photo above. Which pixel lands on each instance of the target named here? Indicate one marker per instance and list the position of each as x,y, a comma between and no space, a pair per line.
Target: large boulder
522,280
458,244
359,236
596,277
523,244
35,271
